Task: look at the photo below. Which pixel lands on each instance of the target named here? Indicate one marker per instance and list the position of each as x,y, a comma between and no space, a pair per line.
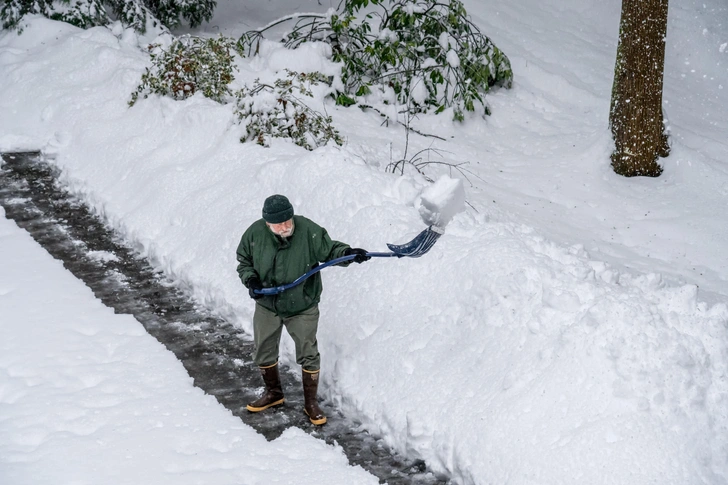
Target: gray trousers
267,329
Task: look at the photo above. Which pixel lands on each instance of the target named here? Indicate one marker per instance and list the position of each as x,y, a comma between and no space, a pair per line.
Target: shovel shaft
413,249
280,289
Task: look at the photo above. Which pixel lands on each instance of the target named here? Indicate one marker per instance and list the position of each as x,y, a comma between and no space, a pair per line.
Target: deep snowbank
499,357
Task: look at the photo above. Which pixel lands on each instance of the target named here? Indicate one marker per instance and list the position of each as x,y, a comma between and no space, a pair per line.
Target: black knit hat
277,209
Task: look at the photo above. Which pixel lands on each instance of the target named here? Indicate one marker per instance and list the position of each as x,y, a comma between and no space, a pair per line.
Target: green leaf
344,100
363,90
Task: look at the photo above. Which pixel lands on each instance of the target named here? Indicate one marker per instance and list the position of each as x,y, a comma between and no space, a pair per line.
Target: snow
441,201
452,58
418,90
444,40
569,326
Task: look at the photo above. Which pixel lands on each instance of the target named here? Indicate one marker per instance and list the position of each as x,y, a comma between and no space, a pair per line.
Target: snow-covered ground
571,324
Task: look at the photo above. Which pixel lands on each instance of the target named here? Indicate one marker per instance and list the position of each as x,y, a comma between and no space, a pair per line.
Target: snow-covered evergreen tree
13,11
133,14
81,13
137,14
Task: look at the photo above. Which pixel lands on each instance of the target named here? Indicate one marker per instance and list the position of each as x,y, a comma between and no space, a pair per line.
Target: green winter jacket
278,261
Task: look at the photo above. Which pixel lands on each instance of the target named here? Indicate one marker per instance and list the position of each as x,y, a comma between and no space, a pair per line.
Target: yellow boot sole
254,409
317,422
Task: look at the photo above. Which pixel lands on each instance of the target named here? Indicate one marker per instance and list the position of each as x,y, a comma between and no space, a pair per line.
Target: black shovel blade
419,245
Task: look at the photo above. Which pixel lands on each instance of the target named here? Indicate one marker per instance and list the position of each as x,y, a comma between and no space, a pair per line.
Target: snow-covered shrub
428,53
276,111
189,65
136,14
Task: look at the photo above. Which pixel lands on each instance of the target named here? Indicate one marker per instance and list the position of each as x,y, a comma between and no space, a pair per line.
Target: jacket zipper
275,263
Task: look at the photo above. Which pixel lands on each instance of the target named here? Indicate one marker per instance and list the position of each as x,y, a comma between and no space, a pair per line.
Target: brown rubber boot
311,407
273,395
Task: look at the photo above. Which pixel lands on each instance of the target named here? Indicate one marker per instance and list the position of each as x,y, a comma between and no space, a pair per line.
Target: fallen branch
366,106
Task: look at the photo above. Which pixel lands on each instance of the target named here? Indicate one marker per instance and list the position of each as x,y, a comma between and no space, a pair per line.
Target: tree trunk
635,115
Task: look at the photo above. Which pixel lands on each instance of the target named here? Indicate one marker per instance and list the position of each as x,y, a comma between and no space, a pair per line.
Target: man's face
284,229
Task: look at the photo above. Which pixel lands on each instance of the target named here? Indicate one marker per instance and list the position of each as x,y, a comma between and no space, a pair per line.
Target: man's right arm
245,260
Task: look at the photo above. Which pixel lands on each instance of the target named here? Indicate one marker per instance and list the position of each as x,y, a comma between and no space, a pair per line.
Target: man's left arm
331,249
328,249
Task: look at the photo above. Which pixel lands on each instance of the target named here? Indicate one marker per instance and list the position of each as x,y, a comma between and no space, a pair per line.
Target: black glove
254,284
360,254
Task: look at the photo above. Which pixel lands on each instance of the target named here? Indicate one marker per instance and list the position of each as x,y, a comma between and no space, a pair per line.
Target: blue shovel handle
280,289
422,243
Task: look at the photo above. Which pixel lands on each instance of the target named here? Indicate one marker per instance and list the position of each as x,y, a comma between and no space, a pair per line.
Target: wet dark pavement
215,353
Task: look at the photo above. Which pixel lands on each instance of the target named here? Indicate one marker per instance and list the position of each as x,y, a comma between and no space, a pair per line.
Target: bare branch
409,128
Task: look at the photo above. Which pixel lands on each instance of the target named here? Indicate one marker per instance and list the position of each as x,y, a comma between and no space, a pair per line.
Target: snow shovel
422,243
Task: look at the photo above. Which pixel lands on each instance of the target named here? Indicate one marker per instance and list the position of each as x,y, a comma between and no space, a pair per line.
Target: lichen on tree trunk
635,116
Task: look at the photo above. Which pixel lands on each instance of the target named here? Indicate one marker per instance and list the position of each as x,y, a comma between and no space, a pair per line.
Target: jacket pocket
310,289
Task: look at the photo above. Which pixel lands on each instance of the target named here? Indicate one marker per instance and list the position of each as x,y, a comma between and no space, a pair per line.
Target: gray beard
293,228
